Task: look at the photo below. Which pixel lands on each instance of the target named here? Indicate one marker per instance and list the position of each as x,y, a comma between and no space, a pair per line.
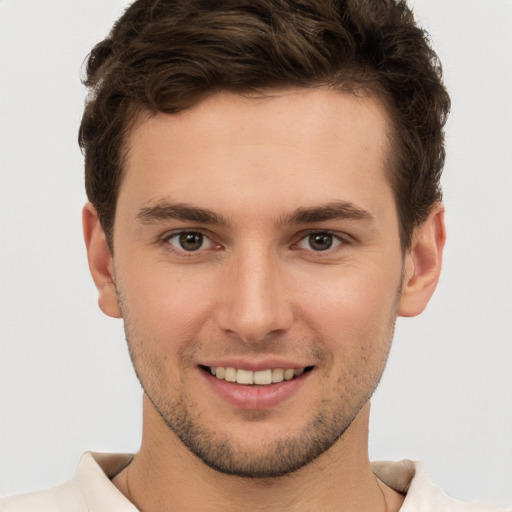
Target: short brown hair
167,55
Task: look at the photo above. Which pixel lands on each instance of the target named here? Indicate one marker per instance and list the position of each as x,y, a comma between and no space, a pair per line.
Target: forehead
286,149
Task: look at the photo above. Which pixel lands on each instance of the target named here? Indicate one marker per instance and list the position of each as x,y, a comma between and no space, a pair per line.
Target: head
264,187
166,56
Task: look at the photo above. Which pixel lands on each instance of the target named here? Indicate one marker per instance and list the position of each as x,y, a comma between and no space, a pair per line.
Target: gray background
66,382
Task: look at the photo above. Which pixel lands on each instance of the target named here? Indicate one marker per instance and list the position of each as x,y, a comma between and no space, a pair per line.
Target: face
258,269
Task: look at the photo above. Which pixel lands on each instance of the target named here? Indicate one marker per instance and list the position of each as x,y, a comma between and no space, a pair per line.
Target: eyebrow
338,210
163,211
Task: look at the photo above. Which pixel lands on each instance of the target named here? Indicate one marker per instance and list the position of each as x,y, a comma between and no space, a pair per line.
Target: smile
259,377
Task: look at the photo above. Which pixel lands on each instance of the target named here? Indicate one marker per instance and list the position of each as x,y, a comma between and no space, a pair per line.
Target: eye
320,241
189,241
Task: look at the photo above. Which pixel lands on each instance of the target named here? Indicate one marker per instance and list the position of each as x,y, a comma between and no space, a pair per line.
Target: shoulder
412,479
65,497
90,489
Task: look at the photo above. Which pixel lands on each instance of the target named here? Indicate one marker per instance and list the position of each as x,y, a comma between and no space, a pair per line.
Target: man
264,197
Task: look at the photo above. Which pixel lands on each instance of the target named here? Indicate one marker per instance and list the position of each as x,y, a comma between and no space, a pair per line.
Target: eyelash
166,240
339,240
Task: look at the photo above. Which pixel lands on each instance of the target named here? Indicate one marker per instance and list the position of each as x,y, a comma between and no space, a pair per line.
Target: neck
166,476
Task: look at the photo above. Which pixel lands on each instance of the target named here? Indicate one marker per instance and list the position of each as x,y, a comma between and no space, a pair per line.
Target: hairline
138,113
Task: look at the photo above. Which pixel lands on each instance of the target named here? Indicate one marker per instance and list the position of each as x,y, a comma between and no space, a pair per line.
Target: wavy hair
168,55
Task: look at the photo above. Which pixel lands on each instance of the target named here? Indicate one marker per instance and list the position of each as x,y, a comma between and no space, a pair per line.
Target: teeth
244,377
260,377
289,374
230,375
277,375
263,377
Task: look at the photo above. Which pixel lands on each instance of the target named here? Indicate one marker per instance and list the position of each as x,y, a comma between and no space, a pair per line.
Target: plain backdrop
66,381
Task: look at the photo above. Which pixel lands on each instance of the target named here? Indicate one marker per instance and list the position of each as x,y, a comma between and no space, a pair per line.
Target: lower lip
256,397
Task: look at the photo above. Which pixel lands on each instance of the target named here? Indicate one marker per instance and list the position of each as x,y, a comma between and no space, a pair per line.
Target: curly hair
168,55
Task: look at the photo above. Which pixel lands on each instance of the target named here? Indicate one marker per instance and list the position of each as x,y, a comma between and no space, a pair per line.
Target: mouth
256,378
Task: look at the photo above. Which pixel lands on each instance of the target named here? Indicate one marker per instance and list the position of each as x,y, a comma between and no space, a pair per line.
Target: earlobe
100,262
422,265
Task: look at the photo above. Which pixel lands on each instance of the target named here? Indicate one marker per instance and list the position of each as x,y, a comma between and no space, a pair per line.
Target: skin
271,173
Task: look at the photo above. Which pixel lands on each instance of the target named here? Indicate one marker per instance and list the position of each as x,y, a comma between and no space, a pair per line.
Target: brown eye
189,241
320,241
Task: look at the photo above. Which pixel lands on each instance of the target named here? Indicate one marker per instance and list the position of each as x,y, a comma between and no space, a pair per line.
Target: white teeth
244,377
263,377
277,375
260,377
230,375
289,374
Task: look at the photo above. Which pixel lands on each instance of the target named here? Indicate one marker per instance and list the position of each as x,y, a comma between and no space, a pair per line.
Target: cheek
352,298
162,325
167,307
354,314
355,324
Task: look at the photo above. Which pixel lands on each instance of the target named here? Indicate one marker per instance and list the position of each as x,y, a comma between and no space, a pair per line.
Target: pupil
191,241
320,241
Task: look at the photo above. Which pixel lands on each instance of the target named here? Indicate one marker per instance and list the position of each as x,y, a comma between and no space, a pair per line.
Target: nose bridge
255,303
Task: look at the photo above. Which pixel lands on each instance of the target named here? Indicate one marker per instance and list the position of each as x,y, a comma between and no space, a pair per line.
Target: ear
422,265
100,262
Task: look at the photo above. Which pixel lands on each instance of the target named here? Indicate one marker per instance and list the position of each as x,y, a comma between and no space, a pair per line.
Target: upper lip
255,365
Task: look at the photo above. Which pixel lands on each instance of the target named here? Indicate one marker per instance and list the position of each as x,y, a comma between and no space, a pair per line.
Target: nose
254,301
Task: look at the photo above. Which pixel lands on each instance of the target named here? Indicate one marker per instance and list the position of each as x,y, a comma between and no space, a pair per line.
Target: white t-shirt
92,491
